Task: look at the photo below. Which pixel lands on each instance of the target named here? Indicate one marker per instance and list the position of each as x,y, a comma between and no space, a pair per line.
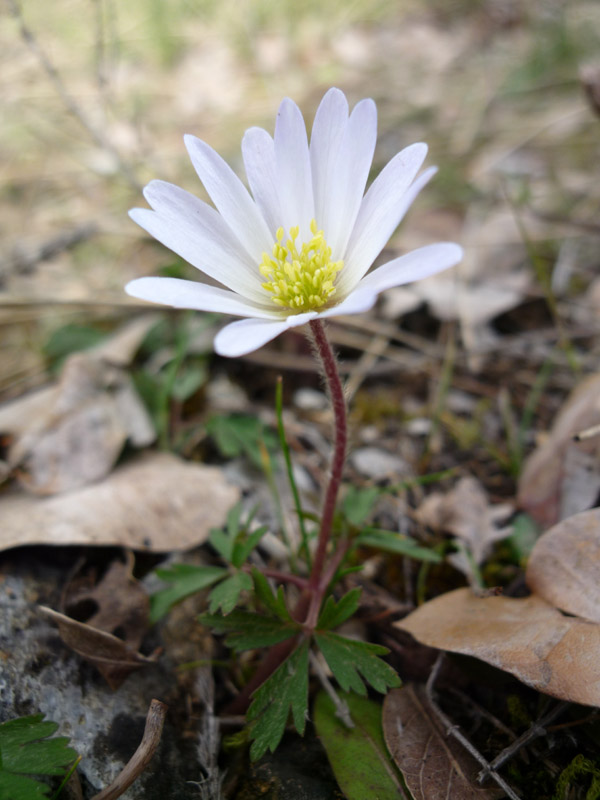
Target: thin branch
142,756
454,731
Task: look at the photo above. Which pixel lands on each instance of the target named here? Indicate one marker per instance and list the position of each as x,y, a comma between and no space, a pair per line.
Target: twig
537,729
453,730
142,756
68,101
342,712
24,260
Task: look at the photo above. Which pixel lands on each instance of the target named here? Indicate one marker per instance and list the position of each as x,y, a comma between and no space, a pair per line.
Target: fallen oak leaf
156,502
561,476
114,658
78,436
564,565
434,766
527,637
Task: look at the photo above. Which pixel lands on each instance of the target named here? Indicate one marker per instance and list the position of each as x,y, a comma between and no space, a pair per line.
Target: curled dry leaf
564,566
113,657
156,502
434,766
121,604
562,477
532,640
466,513
79,434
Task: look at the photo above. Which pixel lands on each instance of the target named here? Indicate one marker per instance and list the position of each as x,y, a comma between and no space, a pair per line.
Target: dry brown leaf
121,347
434,766
564,565
77,438
562,477
113,657
465,512
532,640
121,605
156,502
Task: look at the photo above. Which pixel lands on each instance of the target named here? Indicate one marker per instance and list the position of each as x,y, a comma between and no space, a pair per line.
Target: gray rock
39,674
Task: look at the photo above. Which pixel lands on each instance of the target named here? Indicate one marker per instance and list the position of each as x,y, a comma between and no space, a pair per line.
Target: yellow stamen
300,280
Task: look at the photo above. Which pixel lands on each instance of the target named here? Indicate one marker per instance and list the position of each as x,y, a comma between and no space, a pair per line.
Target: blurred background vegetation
98,93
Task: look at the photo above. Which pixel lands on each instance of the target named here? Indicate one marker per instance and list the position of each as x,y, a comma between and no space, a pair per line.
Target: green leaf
224,540
285,690
393,542
245,546
26,749
186,579
238,434
226,595
358,756
525,534
333,614
71,338
235,543
188,380
358,503
275,603
247,631
347,658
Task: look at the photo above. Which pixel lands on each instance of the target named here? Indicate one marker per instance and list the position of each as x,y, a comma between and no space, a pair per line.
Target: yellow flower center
300,280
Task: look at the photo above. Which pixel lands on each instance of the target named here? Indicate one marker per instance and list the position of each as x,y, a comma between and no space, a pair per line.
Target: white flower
299,247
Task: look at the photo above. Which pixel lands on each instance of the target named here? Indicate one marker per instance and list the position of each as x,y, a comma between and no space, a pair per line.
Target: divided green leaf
26,749
349,660
185,579
247,631
285,690
226,594
234,543
334,614
223,540
245,545
392,542
275,603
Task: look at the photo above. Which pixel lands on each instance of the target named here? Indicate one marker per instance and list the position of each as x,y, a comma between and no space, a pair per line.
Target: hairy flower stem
338,402
311,598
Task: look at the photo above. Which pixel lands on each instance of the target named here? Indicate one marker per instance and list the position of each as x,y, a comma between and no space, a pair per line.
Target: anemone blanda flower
298,247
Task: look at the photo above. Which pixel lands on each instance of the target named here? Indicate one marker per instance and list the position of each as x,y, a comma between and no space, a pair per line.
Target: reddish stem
311,598
338,401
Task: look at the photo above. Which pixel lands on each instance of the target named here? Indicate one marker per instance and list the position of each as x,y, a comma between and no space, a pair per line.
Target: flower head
299,245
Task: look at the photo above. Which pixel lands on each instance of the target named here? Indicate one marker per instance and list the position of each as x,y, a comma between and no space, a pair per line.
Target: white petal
258,151
198,296
215,249
357,302
231,198
327,133
186,238
293,169
246,335
351,172
381,211
413,266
